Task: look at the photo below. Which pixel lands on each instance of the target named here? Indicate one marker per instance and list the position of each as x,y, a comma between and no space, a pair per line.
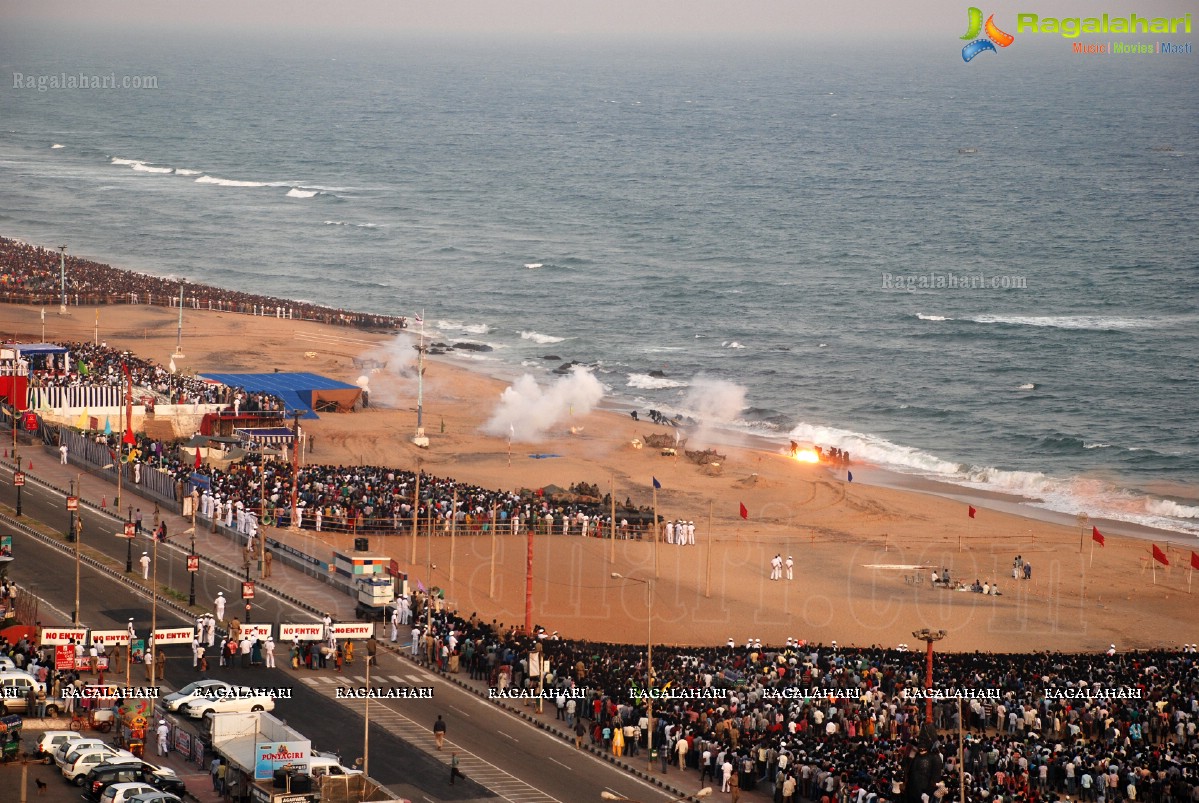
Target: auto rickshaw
10,737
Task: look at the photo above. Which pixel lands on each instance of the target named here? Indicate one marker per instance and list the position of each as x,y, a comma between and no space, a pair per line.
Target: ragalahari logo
994,35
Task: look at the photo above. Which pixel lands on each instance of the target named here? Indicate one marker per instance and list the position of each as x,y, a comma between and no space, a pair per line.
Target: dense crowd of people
32,275
815,722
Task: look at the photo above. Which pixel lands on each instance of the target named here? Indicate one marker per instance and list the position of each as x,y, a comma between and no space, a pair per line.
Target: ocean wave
228,182
351,225
924,317
117,161
55,146
1168,507
647,382
1028,386
298,193
459,326
1092,322
731,344
874,449
1099,498
537,337
141,167
183,171
1096,446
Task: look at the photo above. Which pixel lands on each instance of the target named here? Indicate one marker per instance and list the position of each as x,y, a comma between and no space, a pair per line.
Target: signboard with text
109,638
314,631
174,635
344,630
257,631
270,756
63,635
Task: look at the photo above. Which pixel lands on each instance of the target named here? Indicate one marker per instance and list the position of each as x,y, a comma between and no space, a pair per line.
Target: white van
87,760
319,765
14,693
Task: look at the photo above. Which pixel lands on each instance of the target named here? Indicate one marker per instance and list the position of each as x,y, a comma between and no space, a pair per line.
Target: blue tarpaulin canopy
302,392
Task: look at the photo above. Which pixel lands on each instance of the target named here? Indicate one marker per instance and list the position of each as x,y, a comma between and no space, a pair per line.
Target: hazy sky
871,19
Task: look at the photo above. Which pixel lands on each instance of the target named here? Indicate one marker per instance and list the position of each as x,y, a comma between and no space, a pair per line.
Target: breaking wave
537,337
647,382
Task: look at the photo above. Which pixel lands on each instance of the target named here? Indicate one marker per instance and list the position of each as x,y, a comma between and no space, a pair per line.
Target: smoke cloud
395,384
527,411
715,403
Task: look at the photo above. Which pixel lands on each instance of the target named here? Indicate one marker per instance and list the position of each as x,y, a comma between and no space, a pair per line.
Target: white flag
172,365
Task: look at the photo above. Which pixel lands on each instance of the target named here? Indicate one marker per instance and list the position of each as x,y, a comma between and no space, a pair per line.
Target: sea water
984,273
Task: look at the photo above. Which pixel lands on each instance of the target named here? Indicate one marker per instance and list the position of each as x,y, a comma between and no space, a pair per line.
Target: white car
6,663
155,797
121,792
324,764
85,761
71,745
194,690
239,699
50,742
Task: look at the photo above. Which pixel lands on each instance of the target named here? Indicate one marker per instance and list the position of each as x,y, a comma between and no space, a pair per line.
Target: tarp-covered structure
305,393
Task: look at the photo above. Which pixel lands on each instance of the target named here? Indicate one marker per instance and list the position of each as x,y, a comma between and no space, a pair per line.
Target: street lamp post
71,513
191,594
179,335
702,793
649,664
129,545
62,268
928,637
18,480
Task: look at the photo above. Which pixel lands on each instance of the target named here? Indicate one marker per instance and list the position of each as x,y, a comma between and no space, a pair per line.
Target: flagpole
415,514
612,495
656,539
453,533
491,588
708,568
1091,562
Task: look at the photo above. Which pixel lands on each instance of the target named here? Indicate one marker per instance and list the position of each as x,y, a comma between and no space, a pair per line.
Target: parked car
86,760
238,699
121,792
71,745
200,688
14,693
137,771
6,663
155,797
325,764
50,741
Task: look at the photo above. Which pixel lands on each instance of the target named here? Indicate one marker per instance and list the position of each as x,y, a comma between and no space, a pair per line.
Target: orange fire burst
807,456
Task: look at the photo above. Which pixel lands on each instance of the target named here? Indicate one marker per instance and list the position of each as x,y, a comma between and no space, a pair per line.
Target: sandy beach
856,545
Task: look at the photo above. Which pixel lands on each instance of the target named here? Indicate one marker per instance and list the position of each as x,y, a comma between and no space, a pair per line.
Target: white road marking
460,711
559,763
513,738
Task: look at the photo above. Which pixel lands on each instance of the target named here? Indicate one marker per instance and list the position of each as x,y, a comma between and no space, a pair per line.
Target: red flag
744,511
1194,560
1160,556
197,457
971,511
1097,536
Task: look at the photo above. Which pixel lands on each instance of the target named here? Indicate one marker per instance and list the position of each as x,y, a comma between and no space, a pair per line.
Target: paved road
501,755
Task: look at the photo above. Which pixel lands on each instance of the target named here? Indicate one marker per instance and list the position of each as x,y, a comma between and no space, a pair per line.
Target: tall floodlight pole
420,439
62,274
649,663
179,334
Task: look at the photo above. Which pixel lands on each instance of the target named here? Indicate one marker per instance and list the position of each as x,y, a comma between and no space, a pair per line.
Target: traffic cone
103,502
30,466
6,453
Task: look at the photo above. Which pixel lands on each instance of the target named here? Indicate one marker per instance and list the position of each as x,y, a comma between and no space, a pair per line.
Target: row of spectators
32,275
1039,737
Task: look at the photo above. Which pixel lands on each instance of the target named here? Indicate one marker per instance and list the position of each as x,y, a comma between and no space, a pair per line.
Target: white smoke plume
395,385
715,403
526,411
